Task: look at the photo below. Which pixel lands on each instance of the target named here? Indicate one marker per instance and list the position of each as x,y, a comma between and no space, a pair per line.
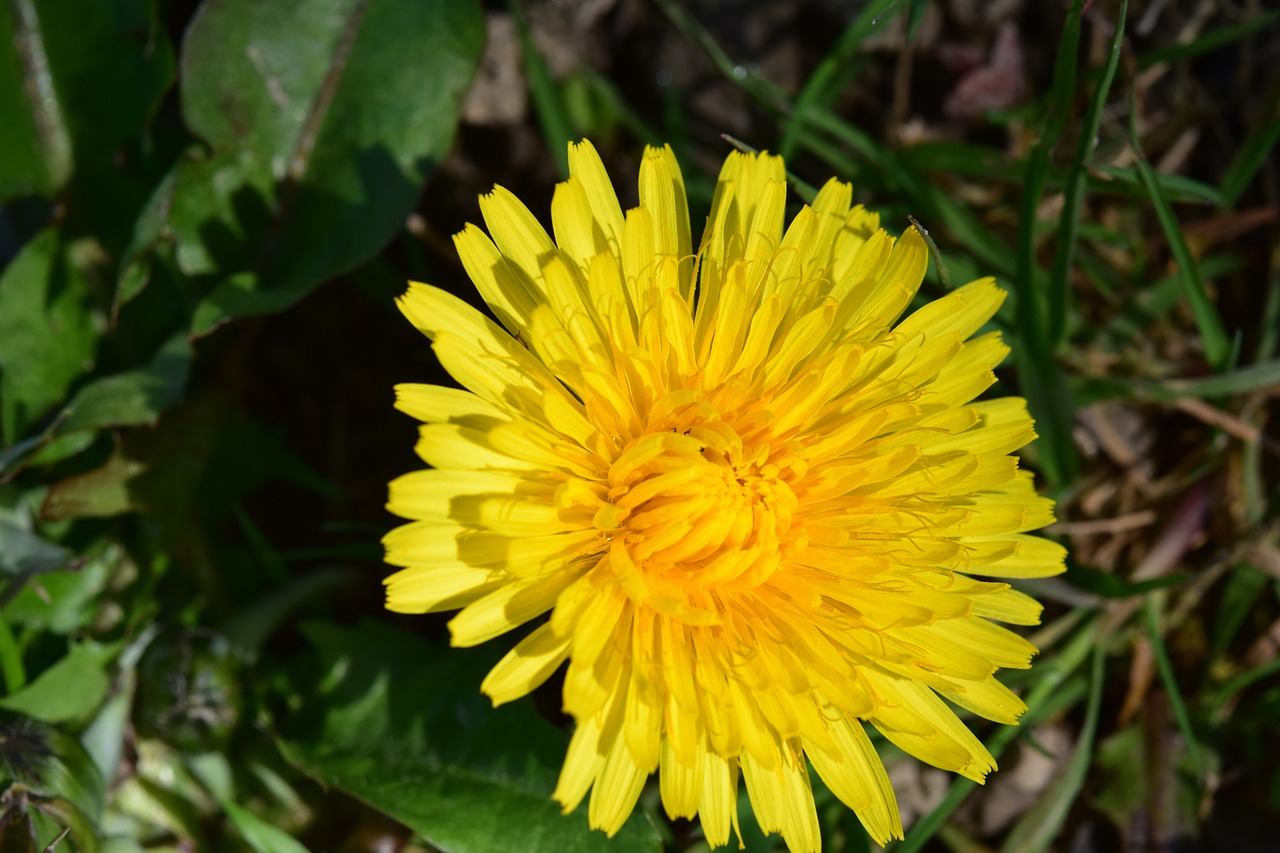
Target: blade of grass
1064,73
838,160
1159,298
1042,382
605,89
1059,296
1128,182
1101,179
1211,40
1252,378
889,173
1253,152
1040,379
1217,348
1269,328
774,98
1042,823
959,158
918,8
832,71
1254,480
548,101
1165,668
1240,592
1243,681
770,95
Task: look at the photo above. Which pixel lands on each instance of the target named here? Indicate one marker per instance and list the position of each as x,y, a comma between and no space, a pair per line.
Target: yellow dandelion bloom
754,504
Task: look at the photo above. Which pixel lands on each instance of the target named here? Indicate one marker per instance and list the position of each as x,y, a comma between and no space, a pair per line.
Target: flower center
703,506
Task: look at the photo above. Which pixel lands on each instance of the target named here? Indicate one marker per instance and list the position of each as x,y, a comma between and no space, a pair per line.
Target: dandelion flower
747,505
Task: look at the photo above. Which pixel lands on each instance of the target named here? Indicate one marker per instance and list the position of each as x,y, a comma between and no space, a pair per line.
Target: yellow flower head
753,506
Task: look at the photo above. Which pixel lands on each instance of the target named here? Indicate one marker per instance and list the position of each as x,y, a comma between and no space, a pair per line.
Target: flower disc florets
702,507
754,503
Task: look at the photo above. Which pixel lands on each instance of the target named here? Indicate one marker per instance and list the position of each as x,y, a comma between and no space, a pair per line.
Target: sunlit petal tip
744,495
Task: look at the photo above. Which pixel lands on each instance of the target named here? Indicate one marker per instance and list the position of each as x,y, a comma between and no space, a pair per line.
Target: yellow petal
435,403
440,587
889,295
662,196
719,799
456,446
783,799
943,740
507,288
962,311
441,495
854,773
516,231
989,699
526,666
616,790
585,166
582,763
507,607
1032,557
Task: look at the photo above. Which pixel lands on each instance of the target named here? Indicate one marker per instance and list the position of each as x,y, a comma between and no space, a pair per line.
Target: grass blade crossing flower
749,507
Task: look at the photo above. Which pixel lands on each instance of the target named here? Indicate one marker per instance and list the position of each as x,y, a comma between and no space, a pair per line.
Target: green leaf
149,232
260,835
100,493
324,118
35,145
24,553
47,332
217,206
76,80
135,397
65,601
71,689
401,725
19,451
158,470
